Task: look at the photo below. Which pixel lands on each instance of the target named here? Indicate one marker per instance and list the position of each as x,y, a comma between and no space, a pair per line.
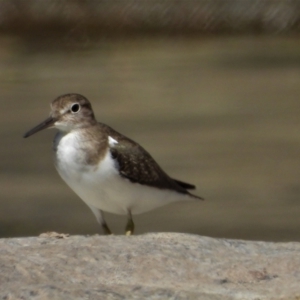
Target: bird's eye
75,108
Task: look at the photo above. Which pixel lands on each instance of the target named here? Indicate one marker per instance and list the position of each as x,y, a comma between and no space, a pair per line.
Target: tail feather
187,186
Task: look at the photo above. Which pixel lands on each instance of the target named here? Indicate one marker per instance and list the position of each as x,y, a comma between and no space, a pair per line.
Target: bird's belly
103,188
119,196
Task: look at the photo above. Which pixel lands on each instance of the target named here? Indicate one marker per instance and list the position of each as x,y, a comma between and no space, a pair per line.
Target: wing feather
137,165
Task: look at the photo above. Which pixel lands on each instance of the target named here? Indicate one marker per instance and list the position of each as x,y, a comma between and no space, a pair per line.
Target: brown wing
137,165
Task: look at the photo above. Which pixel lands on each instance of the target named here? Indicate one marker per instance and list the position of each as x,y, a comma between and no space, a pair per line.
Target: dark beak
46,124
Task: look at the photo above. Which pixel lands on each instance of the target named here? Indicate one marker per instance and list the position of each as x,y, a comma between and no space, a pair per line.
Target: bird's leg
100,218
105,228
130,225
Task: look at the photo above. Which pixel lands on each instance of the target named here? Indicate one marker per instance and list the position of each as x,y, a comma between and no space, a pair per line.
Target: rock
151,266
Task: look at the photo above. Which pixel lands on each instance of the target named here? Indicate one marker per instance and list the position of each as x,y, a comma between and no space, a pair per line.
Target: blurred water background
218,111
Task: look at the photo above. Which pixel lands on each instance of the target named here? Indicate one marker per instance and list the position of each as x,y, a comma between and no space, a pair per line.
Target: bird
107,170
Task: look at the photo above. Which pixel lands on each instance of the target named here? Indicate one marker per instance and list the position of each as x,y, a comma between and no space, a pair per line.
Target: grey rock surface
151,266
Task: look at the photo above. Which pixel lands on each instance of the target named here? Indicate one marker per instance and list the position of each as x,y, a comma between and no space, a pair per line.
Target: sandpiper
107,170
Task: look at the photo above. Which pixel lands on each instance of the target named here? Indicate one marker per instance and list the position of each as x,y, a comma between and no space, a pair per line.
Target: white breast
101,186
